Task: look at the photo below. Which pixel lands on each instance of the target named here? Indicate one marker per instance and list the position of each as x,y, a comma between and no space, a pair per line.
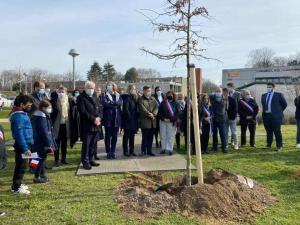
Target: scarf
247,106
64,103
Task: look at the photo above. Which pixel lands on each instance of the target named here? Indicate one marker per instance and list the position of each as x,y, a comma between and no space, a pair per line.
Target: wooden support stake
196,127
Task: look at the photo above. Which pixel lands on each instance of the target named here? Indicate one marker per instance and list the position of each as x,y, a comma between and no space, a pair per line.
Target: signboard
233,74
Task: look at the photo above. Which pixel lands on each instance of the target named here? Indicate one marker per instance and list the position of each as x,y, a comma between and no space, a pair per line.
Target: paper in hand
34,155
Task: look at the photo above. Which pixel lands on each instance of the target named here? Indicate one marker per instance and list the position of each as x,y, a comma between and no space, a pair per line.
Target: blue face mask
76,94
42,91
89,92
269,89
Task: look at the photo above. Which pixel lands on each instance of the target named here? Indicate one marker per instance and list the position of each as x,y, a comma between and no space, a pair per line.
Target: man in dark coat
248,110
38,95
129,120
90,121
273,104
112,111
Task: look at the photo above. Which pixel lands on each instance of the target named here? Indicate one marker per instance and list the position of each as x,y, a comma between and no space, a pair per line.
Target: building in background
286,79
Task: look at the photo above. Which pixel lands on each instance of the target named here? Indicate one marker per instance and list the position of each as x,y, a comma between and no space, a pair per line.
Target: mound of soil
222,197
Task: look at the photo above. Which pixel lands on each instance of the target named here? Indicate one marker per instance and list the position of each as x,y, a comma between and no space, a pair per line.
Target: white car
5,102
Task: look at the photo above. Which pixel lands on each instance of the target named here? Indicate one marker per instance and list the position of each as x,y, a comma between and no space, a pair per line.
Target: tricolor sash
169,107
247,106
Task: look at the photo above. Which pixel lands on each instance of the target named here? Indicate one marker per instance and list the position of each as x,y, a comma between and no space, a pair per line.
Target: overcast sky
40,33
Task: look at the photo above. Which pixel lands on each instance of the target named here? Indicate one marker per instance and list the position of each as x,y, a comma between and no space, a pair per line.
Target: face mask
76,94
269,89
247,97
109,88
170,98
47,90
49,110
148,94
42,91
158,93
89,92
61,95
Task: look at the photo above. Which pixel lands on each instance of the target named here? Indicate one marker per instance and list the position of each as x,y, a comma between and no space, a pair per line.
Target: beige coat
146,107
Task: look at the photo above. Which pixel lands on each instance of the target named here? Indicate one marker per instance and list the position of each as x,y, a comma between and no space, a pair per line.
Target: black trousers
177,137
40,170
111,137
88,147
20,167
61,143
252,127
272,126
205,137
128,138
147,140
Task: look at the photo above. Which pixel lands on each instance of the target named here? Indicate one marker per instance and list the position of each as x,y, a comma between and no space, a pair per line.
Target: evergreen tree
95,74
131,75
109,72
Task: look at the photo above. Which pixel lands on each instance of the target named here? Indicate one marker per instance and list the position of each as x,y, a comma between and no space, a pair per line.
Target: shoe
24,186
96,158
64,162
21,191
269,146
279,149
108,156
170,153
87,167
45,177
126,154
162,152
236,147
298,146
225,151
57,164
2,213
39,180
143,154
133,154
151,154
253,146
113,157
94,164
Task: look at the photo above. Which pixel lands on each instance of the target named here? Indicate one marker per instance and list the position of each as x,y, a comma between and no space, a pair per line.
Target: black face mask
170,98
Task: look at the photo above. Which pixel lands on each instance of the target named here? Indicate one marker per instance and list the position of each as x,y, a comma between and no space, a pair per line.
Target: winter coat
245,111
112,110
147,106
21,129
36,100
74,121
130,113
164,113
42,133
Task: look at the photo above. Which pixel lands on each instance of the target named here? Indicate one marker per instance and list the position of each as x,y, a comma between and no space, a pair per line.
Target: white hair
89,84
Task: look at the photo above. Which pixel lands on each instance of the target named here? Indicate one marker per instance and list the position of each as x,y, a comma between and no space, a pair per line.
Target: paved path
134,164
6,120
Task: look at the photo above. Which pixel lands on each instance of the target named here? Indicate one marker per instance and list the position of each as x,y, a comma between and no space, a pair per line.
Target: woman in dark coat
159,97
98,95
129,120
112,106
74,119
205,122
44,142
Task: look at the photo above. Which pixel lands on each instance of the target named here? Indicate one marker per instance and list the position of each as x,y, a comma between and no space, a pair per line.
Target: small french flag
34,163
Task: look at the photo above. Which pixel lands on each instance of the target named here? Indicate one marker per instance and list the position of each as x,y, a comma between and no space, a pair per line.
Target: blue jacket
21,129
130,113
278,105
112,110
42,133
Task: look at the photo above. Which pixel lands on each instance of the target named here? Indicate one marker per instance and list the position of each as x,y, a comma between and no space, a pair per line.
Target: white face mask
49,110
109,88
76,94
158,93
89,92
61,95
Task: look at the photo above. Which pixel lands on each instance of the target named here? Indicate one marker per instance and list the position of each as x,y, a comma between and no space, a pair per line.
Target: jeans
272,126
219,126
167,135
231,124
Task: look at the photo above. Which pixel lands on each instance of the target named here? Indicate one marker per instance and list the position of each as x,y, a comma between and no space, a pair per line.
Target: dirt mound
223,197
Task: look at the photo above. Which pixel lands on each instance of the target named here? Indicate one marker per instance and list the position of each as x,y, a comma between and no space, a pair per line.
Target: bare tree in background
181,16
280,61
148,73
261,58
209,86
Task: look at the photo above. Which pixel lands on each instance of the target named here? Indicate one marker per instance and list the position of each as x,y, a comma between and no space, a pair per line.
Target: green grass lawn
4,113
69,199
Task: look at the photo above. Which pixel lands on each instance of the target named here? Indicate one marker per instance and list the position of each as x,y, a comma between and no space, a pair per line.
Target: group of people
45,121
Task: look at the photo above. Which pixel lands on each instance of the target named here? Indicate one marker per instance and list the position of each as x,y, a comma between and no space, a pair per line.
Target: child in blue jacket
22,134
44,142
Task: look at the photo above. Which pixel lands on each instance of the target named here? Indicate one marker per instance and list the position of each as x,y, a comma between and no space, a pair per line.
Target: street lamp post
73,53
